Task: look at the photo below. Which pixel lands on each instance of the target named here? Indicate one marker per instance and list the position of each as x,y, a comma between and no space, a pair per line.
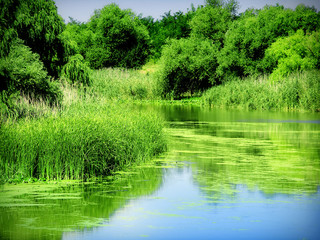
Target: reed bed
125,84
298,91
85,141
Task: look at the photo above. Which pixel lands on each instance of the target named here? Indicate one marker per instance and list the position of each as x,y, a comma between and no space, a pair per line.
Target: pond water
226,175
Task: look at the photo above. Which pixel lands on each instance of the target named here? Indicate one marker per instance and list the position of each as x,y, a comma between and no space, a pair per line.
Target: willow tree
30,48
38,24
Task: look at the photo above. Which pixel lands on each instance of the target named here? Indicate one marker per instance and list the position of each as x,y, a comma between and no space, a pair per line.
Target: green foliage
87,140
170,26
77,71
119,39
77,38
7,31
212,21
249,37
297,52
123,84
23,71
298,91
187,65
38,24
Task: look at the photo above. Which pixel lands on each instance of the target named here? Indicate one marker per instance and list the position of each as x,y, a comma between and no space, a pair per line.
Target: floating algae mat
226,175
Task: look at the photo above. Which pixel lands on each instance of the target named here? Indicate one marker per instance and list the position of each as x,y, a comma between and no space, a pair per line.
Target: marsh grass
125,84
299,91
85,141
89,134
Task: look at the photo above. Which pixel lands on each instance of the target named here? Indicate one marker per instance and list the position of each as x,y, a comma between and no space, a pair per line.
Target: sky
82,10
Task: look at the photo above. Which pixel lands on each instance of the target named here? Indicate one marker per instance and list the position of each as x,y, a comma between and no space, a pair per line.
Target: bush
297,52
22,71
187,65
77,71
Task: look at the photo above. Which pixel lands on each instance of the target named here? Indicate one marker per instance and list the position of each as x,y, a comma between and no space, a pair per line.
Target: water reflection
227,175
275,158
40,211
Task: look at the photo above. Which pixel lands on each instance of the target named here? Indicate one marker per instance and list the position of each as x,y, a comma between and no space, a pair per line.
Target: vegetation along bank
61,81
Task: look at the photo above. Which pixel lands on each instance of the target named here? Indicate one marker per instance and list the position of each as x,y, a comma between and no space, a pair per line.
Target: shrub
187,65
297,52
23,71
77,71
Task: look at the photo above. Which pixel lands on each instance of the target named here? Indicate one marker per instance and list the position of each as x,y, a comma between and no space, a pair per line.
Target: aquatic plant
298,91
86,140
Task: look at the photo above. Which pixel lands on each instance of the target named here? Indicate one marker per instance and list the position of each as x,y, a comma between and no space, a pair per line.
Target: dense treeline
273,40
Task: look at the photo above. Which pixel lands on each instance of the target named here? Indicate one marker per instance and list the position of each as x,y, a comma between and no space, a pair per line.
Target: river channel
226,175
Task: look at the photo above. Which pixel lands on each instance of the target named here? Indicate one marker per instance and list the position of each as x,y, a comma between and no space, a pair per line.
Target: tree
119,36
170,26
77,38
187,65
38,24
293,53
211,22
249,37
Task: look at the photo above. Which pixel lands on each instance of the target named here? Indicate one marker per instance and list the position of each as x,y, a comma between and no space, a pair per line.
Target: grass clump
86,140
298,91
124,84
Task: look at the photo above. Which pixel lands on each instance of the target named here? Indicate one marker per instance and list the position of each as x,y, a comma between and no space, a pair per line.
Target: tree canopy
120,40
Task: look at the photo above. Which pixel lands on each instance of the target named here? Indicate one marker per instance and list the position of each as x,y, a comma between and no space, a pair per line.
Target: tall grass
299,91
86,140
86,135
124,84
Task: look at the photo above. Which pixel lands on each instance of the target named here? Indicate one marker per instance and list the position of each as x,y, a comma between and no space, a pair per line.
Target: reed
86,140
124,84
299,91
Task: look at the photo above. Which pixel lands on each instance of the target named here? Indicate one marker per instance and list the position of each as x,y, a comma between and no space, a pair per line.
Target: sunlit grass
299,91
92,132
124,84
84,141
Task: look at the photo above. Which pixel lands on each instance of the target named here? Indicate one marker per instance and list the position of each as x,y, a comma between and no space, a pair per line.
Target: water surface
227,175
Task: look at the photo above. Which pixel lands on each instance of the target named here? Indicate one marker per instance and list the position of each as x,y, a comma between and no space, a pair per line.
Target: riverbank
96,131
90,134
297,92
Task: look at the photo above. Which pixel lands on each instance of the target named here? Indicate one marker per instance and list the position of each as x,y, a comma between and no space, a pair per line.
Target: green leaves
211,23
297,52
77,71
120,37
23,71
187,65
248,37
